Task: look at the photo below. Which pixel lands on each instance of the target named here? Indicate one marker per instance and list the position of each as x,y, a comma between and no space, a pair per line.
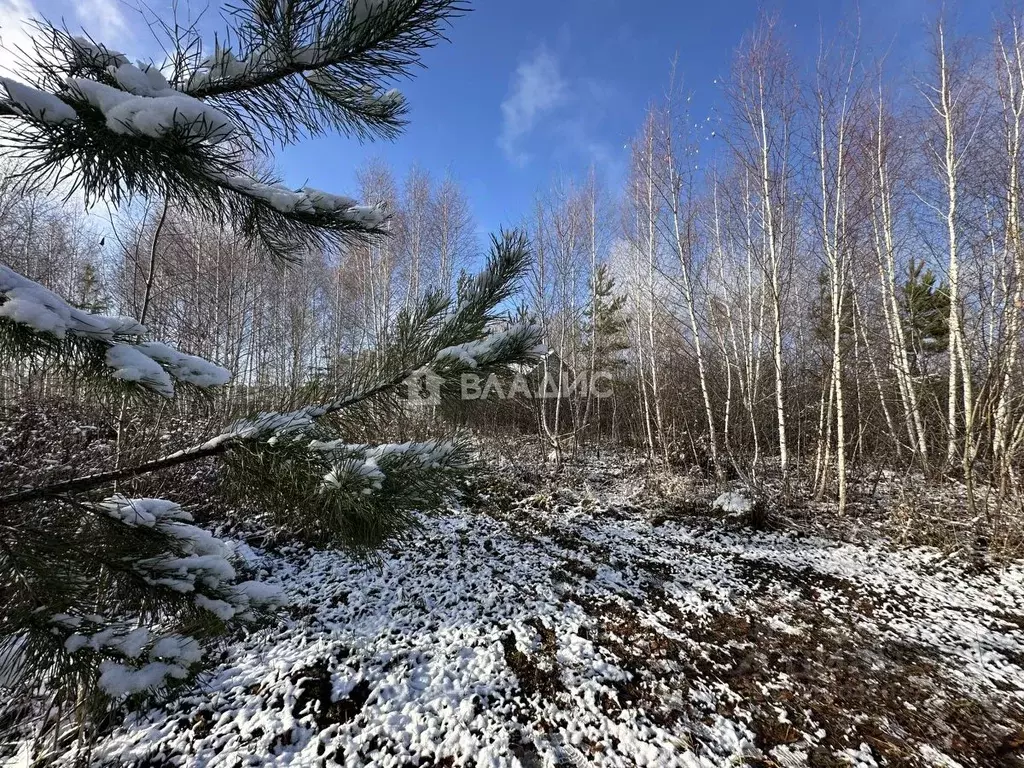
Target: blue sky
528,90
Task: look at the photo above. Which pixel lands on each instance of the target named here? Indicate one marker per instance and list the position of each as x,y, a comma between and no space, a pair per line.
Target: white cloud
103,20
14,32
537,89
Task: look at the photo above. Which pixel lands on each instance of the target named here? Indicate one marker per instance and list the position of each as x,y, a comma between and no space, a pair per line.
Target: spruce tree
90,292
107,598
605,322
925,315
605,326
821,315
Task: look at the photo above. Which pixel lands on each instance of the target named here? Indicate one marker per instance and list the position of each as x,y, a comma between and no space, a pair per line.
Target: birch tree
837,100
762,101
676,187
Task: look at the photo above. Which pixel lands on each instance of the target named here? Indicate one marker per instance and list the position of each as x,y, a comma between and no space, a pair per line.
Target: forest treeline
826,276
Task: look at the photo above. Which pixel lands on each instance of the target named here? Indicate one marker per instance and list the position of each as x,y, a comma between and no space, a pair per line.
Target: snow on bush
121,680
188,368
130,364
165,111
305,200
360,464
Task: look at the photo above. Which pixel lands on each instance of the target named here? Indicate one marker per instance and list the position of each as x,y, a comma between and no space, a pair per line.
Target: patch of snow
26,301
306,200
220,608
260,592
144,512
733,502
142,80
38,104
75,642
428,636
359,465
130,364
153,115
97,54
270,424
184,649
187,368
132,644
484,351
121,680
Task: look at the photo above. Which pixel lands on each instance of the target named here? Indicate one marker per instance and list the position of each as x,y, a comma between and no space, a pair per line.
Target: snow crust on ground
513,639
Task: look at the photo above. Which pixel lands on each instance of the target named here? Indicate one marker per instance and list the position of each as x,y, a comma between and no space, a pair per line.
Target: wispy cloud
538,88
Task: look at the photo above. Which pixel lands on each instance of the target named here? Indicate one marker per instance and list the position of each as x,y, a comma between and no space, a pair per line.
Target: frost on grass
582,634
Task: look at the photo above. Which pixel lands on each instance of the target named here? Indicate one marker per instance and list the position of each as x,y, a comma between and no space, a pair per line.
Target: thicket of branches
824,280
831,281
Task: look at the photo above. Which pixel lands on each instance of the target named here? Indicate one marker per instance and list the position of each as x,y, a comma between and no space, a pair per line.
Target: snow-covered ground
571,628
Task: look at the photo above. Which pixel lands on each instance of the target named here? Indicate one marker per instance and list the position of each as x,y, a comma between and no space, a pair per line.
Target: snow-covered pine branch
275,456
162,586
89,623
135,134
300,469
355,496
84,114
34,321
